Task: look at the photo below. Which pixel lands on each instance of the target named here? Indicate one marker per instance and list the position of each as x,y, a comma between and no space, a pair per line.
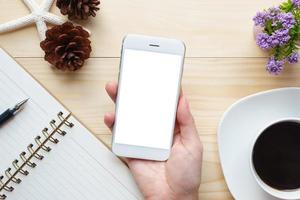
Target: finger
177,128
130,161
111,89
109,119
176,139
185,120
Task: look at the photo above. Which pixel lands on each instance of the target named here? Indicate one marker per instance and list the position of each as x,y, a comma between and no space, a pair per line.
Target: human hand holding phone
179,176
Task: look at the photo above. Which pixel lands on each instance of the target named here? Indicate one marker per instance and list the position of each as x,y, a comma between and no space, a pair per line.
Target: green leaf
268,27
287,6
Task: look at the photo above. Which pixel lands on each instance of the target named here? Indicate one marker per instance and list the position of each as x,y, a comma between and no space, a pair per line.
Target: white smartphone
149,88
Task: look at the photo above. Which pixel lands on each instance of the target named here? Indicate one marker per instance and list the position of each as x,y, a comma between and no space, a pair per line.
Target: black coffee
276,156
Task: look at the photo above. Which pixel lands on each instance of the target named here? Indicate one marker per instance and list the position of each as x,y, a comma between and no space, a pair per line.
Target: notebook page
78,167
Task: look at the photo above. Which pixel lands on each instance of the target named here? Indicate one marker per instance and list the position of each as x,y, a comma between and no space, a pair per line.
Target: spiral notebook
45,153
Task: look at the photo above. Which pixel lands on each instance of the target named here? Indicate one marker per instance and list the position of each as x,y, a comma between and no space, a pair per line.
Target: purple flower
296,3
280,37
286,19
260,18
264,41
274,66
273,12
293,58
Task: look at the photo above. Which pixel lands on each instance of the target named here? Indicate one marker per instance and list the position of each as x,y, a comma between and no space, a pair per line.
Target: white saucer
240,124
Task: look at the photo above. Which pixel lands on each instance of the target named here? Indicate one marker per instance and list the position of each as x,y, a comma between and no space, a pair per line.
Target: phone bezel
152,44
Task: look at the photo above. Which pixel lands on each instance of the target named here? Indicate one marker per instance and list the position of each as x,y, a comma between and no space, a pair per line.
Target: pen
9,113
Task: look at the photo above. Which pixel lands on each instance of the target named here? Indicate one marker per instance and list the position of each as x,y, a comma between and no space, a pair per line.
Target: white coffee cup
281,194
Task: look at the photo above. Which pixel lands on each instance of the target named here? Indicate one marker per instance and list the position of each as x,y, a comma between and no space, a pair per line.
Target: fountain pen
11,112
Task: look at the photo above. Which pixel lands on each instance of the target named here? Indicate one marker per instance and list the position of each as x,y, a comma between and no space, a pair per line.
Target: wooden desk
223,63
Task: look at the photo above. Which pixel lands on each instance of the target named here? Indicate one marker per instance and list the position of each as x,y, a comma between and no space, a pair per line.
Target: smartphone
147,99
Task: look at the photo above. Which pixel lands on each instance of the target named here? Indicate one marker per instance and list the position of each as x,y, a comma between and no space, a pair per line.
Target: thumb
185,120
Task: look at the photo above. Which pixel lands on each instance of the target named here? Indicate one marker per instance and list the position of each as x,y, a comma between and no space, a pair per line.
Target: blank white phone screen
147,99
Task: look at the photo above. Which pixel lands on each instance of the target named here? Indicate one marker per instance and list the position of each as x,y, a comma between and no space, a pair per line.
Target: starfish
39,15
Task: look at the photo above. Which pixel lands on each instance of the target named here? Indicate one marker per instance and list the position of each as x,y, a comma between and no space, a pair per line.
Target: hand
179,176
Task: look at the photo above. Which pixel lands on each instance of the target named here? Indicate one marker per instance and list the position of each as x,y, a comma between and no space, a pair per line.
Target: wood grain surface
210,28
223,63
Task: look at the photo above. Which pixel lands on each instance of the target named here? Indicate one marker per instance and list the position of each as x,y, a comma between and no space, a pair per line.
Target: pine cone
66,46
78,9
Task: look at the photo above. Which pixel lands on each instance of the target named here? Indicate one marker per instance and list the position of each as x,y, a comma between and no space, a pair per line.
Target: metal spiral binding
10,175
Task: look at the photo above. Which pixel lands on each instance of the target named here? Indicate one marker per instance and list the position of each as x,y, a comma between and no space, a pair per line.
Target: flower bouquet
279,33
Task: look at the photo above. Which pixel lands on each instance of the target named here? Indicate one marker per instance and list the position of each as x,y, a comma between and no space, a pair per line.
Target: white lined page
78,167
